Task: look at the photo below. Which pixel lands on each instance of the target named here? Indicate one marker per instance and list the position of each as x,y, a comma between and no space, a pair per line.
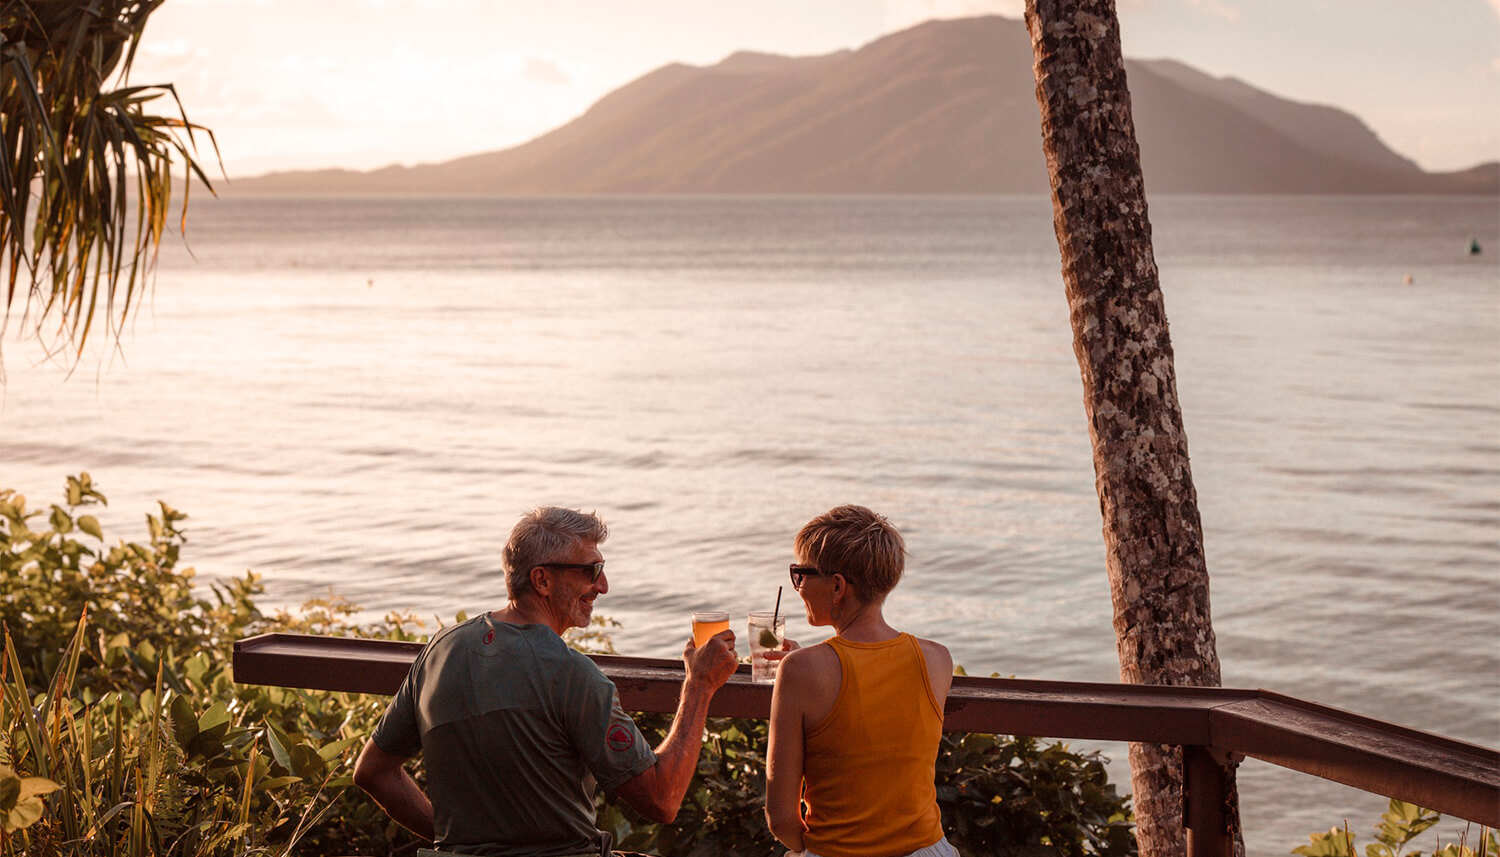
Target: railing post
1205,786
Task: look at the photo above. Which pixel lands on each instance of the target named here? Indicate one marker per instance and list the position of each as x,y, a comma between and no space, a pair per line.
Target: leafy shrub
1004,795
148,773
142,607
1399,826
131,710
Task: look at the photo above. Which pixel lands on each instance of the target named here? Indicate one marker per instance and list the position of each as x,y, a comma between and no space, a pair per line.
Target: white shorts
940,848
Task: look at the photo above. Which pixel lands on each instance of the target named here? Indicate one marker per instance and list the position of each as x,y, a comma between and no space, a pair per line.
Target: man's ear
541,580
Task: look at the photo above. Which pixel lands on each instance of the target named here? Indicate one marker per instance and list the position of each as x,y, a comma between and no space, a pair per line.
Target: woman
855,721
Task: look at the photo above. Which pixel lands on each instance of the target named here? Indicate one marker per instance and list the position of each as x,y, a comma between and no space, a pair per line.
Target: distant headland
944,107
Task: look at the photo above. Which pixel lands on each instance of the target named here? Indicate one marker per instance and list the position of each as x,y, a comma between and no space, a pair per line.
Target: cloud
169,48
538,70
1227,11
1495,63
905,13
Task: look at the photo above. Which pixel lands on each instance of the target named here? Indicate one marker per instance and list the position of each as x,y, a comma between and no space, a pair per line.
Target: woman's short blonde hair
857,543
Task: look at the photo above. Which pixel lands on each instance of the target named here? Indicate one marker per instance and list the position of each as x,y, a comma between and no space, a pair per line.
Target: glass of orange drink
708,623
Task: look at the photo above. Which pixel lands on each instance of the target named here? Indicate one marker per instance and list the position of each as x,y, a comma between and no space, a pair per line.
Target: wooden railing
1215,726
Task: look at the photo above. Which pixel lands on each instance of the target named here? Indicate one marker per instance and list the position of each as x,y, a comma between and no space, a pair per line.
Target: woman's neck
864,624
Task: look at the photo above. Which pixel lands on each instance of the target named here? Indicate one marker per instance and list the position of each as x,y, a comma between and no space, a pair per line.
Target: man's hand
712,664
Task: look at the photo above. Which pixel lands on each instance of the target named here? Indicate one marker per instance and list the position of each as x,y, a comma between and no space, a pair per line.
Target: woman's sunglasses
800,573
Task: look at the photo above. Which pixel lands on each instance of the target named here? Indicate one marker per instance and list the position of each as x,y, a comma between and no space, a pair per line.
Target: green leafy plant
1399,827
144,609
1001,795
147,773
21,799
117,688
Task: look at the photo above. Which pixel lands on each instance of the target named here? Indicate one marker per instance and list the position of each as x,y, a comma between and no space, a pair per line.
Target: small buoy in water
1474,248
1408,279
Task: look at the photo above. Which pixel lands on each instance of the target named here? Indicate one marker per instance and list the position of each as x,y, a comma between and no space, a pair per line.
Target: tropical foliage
85,171
122,730
1399,827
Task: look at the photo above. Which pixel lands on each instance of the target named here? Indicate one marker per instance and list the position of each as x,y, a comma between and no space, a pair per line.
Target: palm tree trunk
1153,539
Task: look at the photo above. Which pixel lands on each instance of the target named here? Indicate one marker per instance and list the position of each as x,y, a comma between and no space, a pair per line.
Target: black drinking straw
777,611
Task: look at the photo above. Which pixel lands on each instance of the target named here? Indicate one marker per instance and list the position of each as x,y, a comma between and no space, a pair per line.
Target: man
517,729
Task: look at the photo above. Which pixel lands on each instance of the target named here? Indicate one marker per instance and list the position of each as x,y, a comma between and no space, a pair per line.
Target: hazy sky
365,83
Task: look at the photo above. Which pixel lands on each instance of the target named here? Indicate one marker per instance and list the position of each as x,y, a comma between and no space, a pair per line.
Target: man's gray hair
543,535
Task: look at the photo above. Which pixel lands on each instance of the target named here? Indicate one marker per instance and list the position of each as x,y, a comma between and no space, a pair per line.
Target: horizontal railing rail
1214,725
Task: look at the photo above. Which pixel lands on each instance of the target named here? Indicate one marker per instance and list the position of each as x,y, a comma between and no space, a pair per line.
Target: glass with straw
767,633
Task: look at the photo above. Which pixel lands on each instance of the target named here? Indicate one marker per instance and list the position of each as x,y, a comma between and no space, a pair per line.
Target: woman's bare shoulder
932,648
811,659
939,660
810,667
808,681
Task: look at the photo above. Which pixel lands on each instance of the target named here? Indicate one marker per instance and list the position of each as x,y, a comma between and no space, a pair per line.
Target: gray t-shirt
515,729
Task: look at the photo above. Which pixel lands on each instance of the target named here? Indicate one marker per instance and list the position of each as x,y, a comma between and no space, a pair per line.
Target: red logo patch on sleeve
619,738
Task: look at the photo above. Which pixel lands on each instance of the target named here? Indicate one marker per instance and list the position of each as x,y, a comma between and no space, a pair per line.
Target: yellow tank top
867,776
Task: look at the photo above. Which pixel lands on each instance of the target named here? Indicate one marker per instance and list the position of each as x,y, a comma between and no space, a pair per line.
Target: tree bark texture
1152,534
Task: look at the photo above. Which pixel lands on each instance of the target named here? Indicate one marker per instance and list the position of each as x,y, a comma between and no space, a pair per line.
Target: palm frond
78,237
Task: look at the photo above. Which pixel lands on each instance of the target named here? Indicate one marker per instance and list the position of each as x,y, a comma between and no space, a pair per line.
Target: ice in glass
767,631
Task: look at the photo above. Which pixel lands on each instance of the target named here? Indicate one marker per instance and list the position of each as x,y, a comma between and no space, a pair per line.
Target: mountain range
942,107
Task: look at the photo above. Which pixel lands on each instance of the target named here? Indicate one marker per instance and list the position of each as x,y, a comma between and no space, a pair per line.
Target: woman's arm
784,755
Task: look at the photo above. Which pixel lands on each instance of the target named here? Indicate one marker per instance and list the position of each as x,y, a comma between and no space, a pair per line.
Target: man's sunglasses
800,573
593,568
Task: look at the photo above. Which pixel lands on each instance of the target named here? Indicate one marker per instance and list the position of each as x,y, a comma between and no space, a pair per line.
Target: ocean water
363,395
